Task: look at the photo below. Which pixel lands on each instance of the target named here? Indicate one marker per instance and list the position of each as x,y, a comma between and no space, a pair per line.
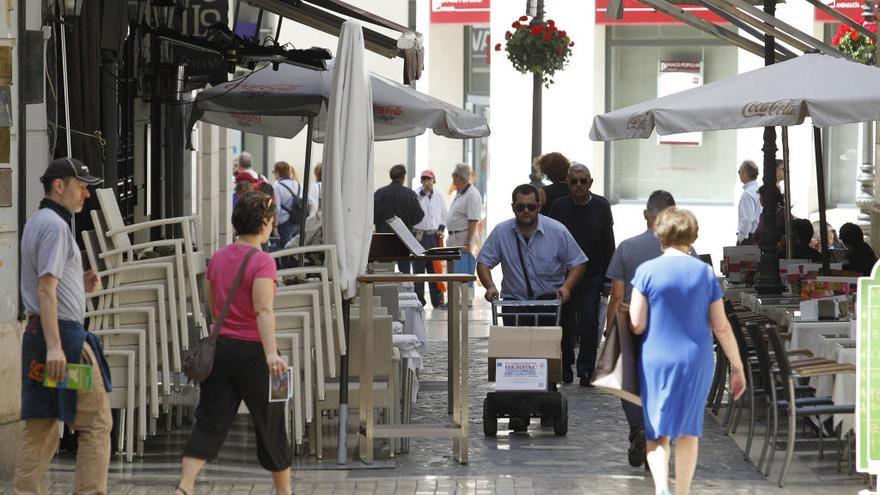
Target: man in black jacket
396,199
588,218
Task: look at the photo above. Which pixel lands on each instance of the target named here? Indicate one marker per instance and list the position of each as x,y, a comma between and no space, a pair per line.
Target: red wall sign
460,11
849,8
639,13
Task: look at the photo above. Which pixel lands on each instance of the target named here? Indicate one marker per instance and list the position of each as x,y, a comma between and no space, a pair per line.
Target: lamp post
768,278
537,80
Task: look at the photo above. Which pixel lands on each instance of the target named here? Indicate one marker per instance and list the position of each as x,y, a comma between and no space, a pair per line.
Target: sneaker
585,382
636,453
441,306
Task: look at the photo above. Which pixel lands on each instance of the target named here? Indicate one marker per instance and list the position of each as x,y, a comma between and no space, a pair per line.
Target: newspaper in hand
281,389
76,377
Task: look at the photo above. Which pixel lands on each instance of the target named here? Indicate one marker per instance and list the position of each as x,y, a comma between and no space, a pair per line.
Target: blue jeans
583,316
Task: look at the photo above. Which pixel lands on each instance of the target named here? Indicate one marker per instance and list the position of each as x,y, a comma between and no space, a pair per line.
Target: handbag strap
232,291
522,263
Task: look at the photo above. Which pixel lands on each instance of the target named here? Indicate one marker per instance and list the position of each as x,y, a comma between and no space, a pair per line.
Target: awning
321,15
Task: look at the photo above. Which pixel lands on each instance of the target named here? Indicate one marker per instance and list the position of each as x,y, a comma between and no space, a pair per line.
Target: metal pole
786,179
66,88
342,438
537,81
768,278
22,139
307,167
820,187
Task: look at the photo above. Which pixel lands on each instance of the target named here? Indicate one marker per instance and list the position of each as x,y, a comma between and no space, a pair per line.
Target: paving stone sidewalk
591,459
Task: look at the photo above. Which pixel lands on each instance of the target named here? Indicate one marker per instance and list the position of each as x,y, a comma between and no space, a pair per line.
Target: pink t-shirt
241,320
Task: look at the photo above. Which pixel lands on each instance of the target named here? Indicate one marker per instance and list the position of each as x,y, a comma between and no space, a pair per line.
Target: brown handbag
617,371
199,360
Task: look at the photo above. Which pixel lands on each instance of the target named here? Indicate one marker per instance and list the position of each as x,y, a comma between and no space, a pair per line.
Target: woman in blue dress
675,299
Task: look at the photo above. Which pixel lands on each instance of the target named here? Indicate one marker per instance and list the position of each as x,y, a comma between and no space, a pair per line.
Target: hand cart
521,406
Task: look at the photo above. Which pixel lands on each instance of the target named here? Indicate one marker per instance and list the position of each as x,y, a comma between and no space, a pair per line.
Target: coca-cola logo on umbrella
386,113
770,108
638,121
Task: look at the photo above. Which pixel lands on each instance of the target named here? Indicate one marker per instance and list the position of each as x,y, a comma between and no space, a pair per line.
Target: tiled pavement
590,460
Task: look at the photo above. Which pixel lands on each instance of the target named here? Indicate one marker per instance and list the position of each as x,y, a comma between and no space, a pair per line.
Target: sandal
181,490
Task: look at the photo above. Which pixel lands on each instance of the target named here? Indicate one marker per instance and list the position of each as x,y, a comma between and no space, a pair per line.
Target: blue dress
677,363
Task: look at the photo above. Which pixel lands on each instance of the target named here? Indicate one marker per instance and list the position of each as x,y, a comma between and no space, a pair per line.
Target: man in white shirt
461,221
429,232
749,210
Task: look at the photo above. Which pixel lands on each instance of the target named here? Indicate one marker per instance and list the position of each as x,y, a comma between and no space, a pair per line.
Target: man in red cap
429,232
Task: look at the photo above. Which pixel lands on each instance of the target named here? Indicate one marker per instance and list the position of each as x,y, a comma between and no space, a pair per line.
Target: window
693,173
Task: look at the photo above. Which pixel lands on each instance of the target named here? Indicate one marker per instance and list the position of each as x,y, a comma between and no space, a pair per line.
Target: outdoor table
804,334
844,391
457,373
828,346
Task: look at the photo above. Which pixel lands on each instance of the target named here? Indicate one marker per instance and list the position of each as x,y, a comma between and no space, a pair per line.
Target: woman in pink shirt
246,352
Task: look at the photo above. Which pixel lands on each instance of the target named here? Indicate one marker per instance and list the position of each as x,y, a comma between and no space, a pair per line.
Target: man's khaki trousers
40,441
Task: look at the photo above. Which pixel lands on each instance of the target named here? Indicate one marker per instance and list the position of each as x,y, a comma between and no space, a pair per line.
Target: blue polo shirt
548,255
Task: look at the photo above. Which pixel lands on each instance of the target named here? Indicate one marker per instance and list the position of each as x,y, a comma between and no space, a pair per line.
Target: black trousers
428,241
634,415
584,321
239,373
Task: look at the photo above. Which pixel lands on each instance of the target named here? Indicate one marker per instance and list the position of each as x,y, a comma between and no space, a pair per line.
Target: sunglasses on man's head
525,206
575,182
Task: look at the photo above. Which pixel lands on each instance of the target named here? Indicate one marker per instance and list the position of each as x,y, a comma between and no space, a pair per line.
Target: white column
209,178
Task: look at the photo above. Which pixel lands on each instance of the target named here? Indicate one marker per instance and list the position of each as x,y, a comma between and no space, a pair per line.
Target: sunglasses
427,178
575,182
525,206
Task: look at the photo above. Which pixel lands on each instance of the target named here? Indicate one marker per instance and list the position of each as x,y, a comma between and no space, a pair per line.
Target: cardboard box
527,342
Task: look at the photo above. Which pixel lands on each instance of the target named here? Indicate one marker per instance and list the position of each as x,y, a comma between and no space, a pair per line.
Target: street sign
460,11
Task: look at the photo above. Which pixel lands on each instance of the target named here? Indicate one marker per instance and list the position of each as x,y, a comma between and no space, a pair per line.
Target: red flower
552,28
842,29
563,34
836,40
536,30
498,47
548,36
508,35
523,18
571,44
550,22
516,25
854,35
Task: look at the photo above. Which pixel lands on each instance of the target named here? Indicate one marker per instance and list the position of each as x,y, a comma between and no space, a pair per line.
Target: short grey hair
462,170
749,168
579,167
245,160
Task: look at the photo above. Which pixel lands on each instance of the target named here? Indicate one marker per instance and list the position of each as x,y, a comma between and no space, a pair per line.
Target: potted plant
538,47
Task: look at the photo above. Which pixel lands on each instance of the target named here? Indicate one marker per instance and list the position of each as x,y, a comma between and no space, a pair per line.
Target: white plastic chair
193,262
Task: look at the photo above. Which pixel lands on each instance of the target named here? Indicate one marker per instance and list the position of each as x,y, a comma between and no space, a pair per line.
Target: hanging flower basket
856,45
539,48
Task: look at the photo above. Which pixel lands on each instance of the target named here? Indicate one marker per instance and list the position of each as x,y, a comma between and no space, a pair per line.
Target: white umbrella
276,103
348,180
781,94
